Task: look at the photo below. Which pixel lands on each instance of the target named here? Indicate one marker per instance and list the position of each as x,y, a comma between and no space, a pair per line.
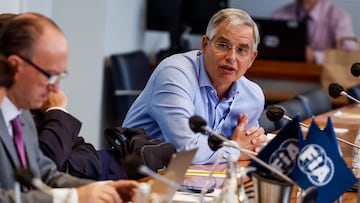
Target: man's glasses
52,78
226,48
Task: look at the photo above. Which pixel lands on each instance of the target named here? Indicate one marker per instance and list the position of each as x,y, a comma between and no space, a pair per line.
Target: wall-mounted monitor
176,16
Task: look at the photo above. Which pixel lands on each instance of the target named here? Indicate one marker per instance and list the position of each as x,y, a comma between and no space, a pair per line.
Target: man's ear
14,61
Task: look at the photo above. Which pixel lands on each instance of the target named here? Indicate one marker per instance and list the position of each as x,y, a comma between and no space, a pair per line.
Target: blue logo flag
319,164
282,151
314,161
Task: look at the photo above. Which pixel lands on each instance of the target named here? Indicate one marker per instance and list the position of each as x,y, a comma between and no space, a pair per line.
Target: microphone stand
350,97
250,154
338,138
17,192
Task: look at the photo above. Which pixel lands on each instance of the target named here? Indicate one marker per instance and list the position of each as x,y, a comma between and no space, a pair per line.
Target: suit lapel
7,141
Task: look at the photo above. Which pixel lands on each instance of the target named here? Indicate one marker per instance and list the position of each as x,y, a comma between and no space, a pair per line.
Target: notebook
281,40
175,171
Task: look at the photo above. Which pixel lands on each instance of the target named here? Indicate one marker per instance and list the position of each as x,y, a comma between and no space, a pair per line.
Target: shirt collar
314,13
204,80
9,110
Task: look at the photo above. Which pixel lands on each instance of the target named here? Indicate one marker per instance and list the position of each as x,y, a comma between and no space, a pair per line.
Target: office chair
125,76
354,91
316,101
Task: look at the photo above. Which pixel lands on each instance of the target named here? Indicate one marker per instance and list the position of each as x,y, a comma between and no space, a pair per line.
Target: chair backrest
125,76
130,71
316,101
354,91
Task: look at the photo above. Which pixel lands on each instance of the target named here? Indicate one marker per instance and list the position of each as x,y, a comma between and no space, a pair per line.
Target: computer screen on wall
197,13
176,16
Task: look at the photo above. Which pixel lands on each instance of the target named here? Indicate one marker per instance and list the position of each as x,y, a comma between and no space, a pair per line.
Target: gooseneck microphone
275,113
198,125
336,90
355,69
27,178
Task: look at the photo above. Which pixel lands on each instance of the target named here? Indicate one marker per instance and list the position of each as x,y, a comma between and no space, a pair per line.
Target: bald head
21,32
37,50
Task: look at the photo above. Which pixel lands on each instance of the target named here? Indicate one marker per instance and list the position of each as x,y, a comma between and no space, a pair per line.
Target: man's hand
98,193
309,55
56,99
125,188
251,138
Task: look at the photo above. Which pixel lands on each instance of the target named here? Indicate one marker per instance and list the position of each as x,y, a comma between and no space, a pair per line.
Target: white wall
82,21
95,29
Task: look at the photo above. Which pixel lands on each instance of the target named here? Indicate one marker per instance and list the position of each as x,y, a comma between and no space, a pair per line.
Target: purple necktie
18,137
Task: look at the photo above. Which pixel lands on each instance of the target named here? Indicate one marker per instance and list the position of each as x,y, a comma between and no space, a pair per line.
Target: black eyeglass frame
52,78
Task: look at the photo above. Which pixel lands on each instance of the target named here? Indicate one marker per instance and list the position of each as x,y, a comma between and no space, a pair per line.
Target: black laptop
281,40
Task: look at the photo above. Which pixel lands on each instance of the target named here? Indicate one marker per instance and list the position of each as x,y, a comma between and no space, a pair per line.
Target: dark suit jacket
58,137
43,167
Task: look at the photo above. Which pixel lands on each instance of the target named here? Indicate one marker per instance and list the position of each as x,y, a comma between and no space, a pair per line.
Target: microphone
336,90
27,178
355,69
198,124
275,113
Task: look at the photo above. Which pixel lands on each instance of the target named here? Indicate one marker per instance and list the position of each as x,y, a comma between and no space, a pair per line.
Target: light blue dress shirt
180,88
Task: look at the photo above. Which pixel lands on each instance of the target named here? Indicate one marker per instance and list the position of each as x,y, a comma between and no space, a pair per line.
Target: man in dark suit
36,48
59,139
58,133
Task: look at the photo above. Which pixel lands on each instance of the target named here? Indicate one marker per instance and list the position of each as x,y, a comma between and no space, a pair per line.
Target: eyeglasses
52,78
225,48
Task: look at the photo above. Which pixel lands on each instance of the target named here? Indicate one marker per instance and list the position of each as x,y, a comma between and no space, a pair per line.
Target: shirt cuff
64,195
57,108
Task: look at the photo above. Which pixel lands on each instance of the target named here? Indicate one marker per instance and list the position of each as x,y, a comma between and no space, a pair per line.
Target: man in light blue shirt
209,83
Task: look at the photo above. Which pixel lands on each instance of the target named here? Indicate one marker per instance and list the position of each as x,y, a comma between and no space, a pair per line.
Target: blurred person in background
326,24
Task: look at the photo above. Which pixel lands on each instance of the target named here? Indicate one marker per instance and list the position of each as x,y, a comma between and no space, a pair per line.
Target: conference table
346,122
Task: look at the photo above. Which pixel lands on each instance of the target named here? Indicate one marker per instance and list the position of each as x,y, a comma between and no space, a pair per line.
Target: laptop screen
281,40
175,171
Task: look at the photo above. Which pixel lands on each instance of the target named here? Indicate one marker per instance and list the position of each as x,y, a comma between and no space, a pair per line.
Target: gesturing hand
251,138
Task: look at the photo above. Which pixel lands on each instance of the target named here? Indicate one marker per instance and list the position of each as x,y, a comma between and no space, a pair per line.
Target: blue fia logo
284,158
314,162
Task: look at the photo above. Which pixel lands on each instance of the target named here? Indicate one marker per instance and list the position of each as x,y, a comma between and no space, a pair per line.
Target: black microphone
27,178
275,113
198,124
355,69
336,90
215,143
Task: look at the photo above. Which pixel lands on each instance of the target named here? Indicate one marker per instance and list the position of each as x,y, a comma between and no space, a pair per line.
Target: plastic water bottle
143,193
356,156
230,186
